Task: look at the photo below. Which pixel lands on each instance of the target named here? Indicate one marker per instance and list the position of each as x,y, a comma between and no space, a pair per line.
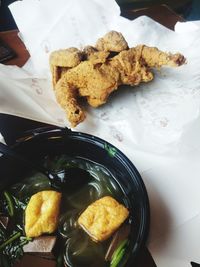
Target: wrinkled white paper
156,124
189,26
155,114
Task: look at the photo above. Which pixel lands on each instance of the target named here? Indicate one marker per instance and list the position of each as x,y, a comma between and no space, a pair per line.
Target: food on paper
95,72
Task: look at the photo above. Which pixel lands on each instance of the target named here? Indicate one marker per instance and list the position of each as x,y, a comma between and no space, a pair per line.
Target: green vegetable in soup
74,246
10,203
12,239
119,253
110,149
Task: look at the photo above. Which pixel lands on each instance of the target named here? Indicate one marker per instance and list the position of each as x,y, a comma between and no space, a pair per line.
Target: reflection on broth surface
74,247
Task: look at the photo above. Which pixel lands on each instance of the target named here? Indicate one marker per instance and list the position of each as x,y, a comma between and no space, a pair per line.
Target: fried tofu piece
41,214
102,218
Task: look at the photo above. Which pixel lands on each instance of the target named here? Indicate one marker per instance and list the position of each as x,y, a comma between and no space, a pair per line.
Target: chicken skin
98,71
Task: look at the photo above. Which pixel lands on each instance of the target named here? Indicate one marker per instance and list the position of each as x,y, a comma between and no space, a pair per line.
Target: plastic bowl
56,141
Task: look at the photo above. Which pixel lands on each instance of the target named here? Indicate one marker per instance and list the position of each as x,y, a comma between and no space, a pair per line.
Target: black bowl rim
43,131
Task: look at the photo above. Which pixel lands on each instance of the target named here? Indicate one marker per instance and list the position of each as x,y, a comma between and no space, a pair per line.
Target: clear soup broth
74,247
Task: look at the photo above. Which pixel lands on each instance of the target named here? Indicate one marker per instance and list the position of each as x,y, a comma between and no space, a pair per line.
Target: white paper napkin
187,26
154,114
181,246
178,246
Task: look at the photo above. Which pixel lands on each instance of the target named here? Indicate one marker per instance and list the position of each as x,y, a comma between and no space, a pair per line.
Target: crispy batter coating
112,41
102,218
41,215
67,96
155,58
101,72
98,57
69,57
89,50
66,58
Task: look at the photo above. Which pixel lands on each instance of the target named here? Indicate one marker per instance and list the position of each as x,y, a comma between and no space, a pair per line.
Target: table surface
161,14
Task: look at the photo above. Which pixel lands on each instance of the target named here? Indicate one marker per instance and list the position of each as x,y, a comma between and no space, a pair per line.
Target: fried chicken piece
88,51
156,58
95,56
101,73
95,82
112,41
62,60
67,96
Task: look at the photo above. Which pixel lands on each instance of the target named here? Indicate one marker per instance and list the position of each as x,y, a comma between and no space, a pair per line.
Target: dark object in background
6,19
11,127
33,261
4,220
138,4
194,12
5,52
189,9
195,264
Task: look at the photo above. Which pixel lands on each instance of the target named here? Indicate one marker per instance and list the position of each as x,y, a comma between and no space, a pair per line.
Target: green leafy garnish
119,253
11,239
111,150
10,203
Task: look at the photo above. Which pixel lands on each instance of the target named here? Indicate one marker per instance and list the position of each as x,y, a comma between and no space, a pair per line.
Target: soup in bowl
101,222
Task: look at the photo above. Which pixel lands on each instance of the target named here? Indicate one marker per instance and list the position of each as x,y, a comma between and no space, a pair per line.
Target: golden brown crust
95,72
41,215
69,57
66,96
88,50
156,58
98,57
63,58
102,218
112,41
